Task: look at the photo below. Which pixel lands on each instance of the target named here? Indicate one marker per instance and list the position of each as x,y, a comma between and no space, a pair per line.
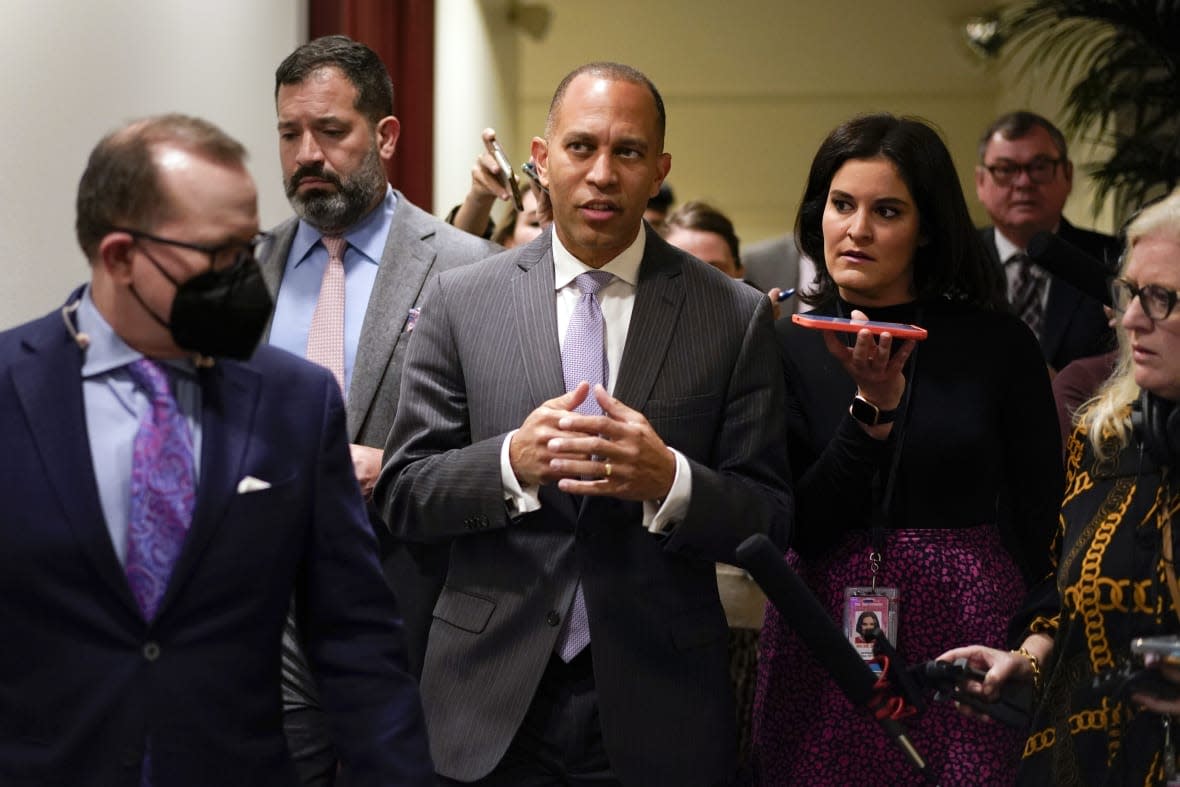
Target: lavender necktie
583,357
162,489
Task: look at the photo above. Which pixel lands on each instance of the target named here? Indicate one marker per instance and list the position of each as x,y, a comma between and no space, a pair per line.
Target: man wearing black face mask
166,501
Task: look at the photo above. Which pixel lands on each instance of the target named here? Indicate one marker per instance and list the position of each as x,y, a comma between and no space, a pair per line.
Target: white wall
73,70
475,78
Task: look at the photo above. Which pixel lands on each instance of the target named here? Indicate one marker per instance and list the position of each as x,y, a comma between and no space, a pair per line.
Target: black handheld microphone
1071,265
802,611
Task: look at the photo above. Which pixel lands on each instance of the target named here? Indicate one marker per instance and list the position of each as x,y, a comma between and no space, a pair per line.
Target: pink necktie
583,357
162,489
325,338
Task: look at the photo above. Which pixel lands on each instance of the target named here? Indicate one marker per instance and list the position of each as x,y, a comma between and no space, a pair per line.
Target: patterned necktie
325,338
1028,293
162,489
583,357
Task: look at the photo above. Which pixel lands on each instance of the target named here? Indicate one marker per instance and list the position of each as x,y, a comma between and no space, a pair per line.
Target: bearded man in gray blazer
579,514
336,126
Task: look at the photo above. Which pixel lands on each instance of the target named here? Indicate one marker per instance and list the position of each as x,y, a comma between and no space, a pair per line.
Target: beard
354,195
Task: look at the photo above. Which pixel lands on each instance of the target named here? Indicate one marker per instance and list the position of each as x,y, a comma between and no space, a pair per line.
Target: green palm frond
1120,61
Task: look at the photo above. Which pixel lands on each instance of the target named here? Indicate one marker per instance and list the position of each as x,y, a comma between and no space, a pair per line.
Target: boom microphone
1071,265
802,611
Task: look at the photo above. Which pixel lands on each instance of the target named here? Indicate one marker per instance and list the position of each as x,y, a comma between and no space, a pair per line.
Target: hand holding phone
896,329
507,174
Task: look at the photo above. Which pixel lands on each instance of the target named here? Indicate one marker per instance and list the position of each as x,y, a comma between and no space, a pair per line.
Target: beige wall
752,87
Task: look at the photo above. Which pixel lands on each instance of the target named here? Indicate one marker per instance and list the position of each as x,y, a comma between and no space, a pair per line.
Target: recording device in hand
947,678
1155,422
1072,265
819,634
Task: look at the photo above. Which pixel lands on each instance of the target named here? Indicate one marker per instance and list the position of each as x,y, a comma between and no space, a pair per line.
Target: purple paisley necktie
162,489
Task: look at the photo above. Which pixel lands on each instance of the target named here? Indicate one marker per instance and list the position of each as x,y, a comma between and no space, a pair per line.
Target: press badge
868,609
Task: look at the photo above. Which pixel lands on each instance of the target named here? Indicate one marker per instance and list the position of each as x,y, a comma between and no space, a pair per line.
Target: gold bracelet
1034,663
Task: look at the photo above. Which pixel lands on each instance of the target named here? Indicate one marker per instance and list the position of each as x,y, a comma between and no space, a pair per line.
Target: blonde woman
1114,579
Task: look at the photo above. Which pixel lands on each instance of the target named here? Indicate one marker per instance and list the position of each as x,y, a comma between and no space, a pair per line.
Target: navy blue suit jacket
84,681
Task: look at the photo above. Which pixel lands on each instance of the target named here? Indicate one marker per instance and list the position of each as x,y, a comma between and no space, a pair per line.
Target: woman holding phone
927,474
1115,578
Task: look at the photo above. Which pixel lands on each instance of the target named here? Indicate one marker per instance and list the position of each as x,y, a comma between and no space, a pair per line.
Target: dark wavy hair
360,65
952,263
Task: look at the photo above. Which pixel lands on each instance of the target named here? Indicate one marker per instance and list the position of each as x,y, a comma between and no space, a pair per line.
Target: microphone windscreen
1072,265
801,610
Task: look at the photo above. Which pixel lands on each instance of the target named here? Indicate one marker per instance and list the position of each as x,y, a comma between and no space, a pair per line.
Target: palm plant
1120,61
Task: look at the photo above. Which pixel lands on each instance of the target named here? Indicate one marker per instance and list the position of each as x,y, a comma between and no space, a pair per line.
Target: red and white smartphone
899,330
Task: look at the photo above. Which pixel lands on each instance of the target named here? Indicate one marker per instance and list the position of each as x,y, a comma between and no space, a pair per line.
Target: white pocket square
252,484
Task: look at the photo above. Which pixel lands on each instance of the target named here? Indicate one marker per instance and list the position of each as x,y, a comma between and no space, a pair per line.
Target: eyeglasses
224,257
1040,170
1157,302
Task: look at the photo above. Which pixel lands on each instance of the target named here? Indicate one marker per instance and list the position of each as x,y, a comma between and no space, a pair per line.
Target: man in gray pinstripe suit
613,519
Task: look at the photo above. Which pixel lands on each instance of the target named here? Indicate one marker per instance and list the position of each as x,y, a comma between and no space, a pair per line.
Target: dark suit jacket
700,363
84,680
1074,325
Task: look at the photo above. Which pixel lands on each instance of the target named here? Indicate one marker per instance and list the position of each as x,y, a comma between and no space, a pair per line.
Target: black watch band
870,414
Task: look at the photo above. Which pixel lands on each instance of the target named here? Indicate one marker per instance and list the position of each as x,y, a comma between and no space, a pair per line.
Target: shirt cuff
661,516
519,500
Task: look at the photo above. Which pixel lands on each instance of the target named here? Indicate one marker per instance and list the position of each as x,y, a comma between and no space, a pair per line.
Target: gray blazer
700,363
419,246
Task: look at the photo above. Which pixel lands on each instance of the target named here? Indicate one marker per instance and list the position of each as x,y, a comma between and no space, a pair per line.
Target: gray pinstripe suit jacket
701,364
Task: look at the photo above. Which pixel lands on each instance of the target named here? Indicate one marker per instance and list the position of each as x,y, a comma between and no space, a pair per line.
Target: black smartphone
530,169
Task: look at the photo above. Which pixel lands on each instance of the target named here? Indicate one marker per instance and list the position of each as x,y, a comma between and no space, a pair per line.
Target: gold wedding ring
606,467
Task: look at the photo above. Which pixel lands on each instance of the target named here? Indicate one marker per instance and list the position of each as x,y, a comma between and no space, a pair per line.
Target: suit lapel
272,260
405,264
534,313
49,388
989,244
229,401
659,297
534,316
1063,300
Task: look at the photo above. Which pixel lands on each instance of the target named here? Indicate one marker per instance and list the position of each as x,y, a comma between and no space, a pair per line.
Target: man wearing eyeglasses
169,488
1023,179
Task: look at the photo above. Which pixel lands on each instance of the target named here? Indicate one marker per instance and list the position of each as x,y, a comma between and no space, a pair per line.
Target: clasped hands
616,454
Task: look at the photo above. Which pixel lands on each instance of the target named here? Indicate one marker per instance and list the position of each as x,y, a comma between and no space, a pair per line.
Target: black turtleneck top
980,442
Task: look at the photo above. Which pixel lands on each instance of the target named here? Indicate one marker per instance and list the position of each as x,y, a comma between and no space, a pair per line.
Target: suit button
151,651
553,618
